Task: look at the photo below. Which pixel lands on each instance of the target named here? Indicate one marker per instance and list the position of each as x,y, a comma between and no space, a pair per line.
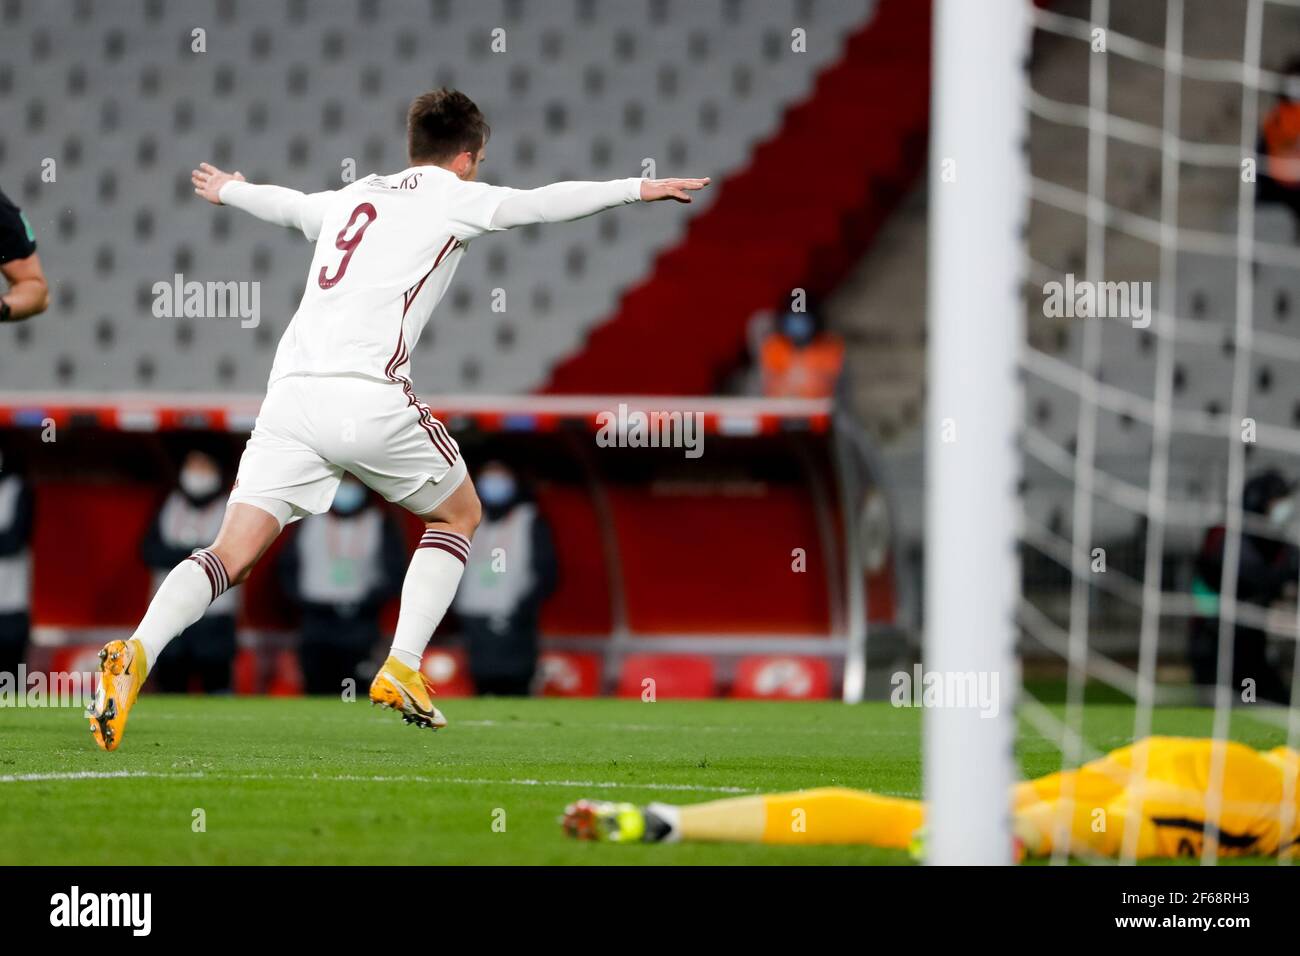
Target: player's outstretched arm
276,204
565,202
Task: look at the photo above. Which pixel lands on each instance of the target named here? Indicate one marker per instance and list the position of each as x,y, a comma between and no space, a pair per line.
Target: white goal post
976,190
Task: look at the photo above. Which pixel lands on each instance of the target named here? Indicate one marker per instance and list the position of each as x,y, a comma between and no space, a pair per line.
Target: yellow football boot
122,671
609,822
408,691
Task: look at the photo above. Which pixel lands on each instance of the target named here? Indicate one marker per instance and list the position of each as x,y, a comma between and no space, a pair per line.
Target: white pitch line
492,724
361,778
702,728
488,781
87,775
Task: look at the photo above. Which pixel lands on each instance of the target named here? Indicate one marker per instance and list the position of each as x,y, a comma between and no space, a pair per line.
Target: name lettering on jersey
409,181
208,300
1197,829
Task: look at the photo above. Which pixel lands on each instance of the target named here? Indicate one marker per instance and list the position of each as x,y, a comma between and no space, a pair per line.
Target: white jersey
386,250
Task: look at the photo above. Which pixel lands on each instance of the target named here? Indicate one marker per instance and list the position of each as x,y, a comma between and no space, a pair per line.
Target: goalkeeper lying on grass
1261,802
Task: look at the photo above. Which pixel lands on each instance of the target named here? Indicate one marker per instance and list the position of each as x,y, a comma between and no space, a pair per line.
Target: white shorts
311,429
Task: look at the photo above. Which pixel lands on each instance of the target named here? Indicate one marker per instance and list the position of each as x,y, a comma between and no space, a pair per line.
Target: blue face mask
798,327
495,489
350,497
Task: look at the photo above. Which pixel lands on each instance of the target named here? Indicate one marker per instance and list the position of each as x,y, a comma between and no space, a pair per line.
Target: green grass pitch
317,781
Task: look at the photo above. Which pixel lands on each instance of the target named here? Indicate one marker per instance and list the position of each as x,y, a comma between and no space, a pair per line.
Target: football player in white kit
339,397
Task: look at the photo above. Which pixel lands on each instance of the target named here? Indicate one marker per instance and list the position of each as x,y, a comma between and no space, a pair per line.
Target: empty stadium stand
798,214
697,85
1205,306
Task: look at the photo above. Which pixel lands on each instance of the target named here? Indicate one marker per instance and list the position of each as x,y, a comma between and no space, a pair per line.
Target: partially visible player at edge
339,397
28,293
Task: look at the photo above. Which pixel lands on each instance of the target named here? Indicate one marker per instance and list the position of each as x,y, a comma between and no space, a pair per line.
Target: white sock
670,815
181,600
430,584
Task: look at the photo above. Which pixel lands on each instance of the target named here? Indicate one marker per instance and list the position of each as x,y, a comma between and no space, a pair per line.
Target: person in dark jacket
1269,566
339,568
26,292
16,509
510,572
189,518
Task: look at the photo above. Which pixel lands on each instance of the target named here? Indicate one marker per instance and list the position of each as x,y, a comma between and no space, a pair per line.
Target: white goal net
1155,443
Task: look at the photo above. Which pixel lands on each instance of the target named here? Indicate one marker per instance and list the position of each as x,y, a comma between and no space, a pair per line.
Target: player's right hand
208,181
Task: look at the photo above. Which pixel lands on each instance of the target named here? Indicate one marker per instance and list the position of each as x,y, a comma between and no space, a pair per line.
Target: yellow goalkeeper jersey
1162,786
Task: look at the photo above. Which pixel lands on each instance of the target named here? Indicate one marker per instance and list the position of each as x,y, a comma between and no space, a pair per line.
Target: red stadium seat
286,678
766,677
77,658
246,671
448,669
569,675
675,678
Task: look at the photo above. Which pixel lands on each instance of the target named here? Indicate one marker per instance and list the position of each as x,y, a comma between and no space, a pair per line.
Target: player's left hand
678,189
208,181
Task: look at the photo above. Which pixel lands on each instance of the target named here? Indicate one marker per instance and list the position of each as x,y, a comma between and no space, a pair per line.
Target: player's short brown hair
442,124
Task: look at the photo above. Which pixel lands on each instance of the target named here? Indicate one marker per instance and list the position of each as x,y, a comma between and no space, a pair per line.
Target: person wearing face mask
16,509
339,568
510,572
189,518
1268,571
1279,147
799,358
